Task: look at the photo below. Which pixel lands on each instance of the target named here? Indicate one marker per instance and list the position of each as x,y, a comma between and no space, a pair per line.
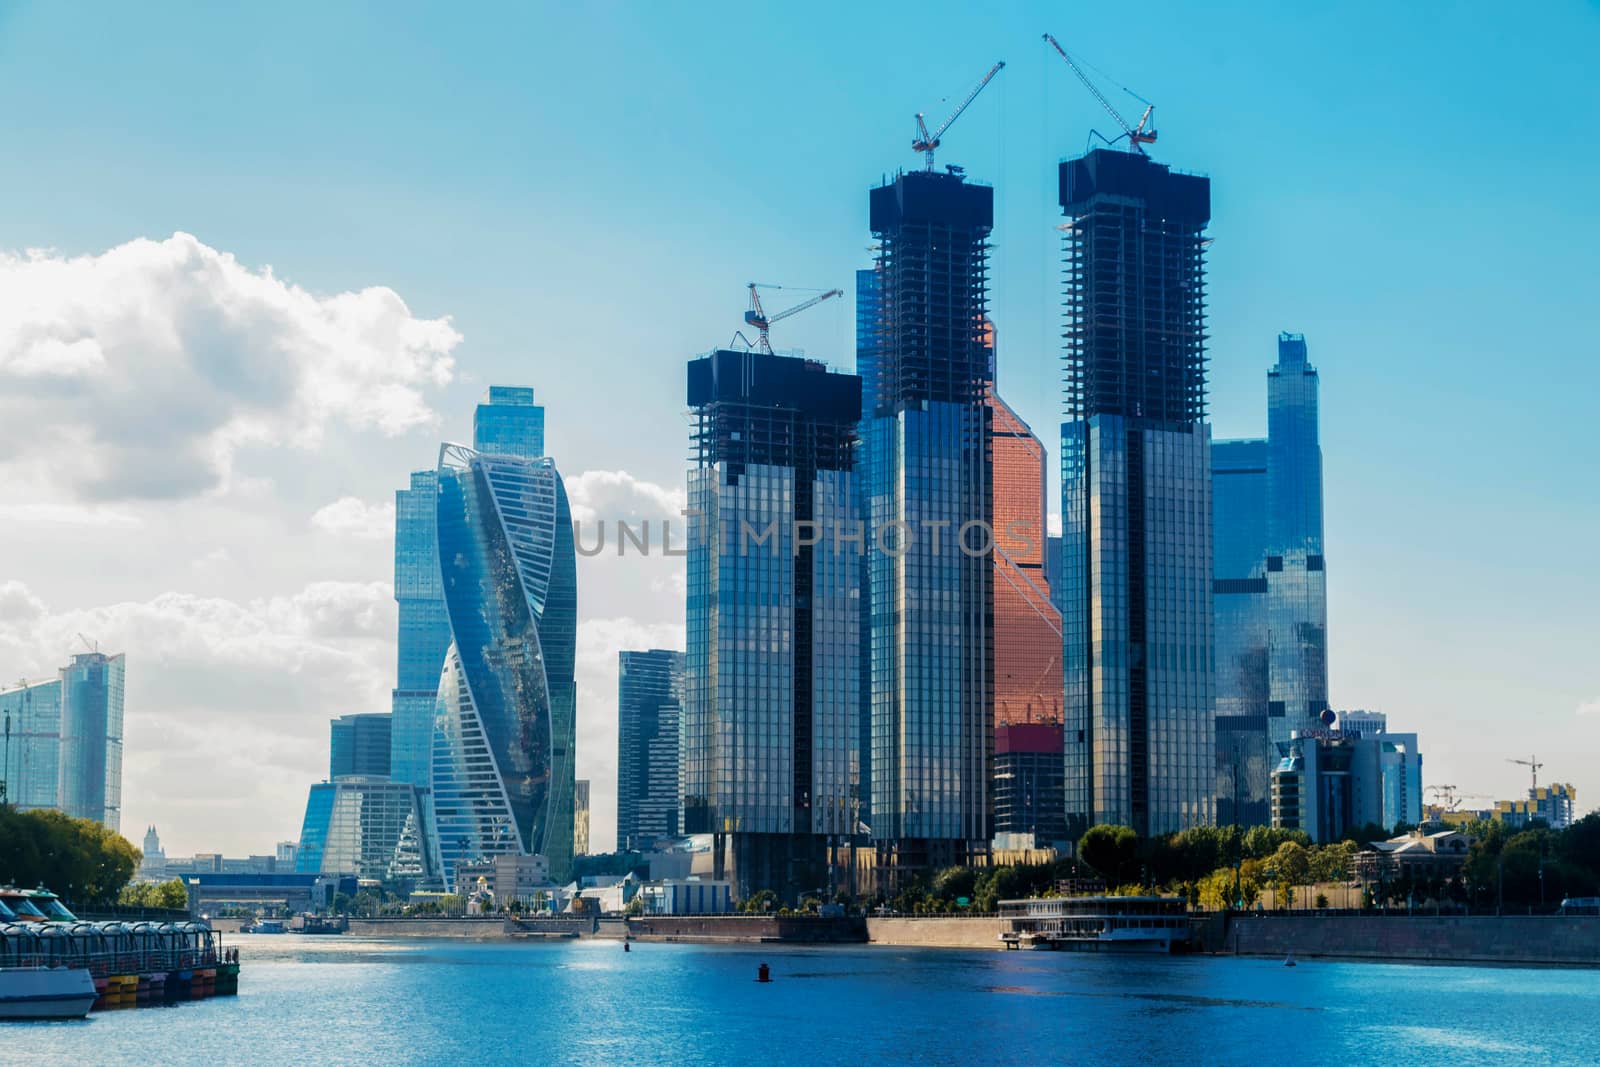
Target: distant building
1335,781
580,817
89,785
524,879
153,864
686,897
504,730
359,744
508,423
1028,797
1553,804
1416,855
357,826
649,705
286,854
30,743
1269,586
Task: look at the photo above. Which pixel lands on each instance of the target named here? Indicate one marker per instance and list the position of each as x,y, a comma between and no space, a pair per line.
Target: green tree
762,902
83,861
1113,851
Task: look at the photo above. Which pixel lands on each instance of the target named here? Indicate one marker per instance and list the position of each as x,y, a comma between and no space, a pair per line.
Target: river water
343,1000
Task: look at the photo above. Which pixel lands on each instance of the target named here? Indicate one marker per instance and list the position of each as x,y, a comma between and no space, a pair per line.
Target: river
339,1000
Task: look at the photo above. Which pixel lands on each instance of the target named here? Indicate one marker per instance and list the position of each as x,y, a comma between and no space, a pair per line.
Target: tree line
80,860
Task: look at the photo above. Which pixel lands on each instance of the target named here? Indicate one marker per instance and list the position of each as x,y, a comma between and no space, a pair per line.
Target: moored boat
1099,924
45,992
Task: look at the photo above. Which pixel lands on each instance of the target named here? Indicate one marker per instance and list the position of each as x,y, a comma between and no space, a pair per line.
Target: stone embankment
981,931
1572,940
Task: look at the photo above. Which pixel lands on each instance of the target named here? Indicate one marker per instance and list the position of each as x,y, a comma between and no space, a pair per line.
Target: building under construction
1136,497
929,467
770,727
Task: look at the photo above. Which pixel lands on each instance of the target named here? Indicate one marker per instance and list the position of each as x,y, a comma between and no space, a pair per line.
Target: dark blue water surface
347,1000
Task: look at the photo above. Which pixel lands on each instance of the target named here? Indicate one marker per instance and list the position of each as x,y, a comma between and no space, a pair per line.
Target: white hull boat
45,993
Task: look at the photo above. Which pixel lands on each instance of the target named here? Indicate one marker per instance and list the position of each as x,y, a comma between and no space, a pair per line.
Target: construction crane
1449,799
1533,764
1138,136
758,317
926,142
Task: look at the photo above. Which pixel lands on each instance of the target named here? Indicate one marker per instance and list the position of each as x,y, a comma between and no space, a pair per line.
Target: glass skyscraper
929,470
359,744
1136,498
869,319
769,737
1270,588
89,785
1027,624
369,827
580,817
506,422
503,743
649,704
30,743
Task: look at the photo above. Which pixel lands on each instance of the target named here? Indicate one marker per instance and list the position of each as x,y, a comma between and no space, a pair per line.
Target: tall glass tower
506,422
30,743
1297,589
506,717
89,785
931,577
649,704
869,320
1136,497
1239,598
771,712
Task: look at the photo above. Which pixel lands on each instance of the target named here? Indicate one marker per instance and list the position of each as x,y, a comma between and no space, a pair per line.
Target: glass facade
508,423
30,761
1296,576
769,734
1028,796
869,317
505,723
424,633
89,785
1136,582
1239,588
580,816
649,705
359,744
369,827
1027,624
928,470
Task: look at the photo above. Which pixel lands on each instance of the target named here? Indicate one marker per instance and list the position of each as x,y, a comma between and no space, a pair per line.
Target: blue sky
584,192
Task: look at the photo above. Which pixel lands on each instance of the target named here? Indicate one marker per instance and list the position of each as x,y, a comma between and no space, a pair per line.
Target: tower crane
758,317
1138,136
1533,764
926,142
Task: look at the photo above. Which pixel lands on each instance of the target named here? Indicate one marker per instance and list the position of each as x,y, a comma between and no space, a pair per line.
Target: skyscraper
1297,590
869,322
1245,759
1027,624
1136,497
506,422
365,826
89,785
359,744
931,578
30,743
1270,588
504,730
580,817
649,704
424,633
770,717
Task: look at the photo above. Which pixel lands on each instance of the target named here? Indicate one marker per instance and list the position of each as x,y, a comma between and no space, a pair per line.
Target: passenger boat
46,992
264,926
1095,924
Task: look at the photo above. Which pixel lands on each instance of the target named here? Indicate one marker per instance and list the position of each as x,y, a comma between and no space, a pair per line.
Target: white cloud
70,514
599,641
352,517
613,496
1590,707
137,373
227,702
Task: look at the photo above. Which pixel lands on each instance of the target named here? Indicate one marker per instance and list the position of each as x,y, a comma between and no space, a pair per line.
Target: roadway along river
341,1000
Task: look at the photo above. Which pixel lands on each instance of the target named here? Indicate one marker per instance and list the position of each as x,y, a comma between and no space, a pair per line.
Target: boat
46,992
1095,924
265,926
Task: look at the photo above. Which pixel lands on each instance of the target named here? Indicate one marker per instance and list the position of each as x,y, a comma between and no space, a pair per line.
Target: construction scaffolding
1134,284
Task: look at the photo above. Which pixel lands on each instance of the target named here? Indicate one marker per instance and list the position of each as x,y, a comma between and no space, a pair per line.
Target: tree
1113,851
761,903
83,861
170,895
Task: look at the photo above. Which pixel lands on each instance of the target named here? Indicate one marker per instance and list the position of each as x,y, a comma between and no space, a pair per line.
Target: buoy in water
1288,961
626,947
763,973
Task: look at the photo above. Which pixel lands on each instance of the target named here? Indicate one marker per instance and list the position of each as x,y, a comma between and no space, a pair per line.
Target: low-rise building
686,896
1417,855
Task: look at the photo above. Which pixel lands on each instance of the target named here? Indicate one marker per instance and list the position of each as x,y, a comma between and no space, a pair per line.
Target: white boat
1095,924
45,993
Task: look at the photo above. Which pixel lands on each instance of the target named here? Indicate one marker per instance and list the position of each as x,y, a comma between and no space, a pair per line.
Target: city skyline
181,576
